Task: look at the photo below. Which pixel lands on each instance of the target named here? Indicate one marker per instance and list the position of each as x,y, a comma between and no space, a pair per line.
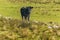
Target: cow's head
29,8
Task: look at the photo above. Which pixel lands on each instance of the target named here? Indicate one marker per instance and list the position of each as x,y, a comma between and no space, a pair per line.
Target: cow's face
29,8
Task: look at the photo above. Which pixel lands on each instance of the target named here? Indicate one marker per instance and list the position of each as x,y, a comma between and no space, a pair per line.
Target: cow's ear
31,7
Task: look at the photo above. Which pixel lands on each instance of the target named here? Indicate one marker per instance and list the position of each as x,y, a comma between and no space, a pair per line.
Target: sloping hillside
14,29
44,21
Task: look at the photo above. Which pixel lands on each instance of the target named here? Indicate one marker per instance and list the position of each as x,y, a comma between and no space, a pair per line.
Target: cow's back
24,11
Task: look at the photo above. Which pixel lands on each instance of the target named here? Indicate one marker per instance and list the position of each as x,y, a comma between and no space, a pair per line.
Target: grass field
13,29
46,12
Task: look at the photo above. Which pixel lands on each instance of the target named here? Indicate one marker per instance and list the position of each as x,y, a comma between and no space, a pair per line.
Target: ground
14,29
44,21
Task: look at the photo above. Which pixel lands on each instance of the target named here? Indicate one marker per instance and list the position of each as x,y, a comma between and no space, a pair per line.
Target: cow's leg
28,18
25,18
22,19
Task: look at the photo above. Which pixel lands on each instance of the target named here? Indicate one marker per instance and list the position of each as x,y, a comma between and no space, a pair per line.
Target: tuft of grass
14,29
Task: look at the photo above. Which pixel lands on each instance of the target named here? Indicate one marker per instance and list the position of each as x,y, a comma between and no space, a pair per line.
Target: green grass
13,29
13,10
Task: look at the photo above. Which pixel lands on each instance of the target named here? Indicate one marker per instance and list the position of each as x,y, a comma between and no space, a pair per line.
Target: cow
25,12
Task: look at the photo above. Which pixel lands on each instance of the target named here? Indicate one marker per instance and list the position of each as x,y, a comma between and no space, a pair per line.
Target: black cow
25,12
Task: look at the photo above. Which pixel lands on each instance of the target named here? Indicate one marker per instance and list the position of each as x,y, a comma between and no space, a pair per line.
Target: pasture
11,27
46,12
